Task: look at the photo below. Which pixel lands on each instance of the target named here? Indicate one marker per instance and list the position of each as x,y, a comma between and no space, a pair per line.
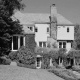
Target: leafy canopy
8,27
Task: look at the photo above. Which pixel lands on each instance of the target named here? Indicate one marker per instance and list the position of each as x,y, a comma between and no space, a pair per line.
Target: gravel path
18,73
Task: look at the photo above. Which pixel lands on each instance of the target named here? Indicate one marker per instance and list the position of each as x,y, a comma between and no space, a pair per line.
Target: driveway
18,73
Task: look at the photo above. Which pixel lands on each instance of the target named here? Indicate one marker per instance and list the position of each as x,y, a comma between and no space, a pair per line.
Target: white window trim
62,43
18,43
42,44
49,29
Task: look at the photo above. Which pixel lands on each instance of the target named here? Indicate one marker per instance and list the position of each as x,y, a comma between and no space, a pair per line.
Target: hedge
74,53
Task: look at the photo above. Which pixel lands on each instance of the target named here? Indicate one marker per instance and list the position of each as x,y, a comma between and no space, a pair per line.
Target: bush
74,53
76,68
25,56
5,61
26,66
63,73
13,55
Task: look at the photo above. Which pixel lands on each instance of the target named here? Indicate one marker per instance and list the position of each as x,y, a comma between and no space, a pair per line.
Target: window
42,44
47,29
67,29
21,41
62,44
36,30
17,42
31,28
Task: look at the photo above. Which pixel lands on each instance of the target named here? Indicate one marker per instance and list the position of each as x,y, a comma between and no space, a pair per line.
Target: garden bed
64,73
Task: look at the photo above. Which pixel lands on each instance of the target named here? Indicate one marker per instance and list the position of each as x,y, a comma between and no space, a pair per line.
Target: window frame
68,29
42,44
48,29
18,43
62,44
36,29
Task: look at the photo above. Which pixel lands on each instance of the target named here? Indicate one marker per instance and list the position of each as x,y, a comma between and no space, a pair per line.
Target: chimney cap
53,4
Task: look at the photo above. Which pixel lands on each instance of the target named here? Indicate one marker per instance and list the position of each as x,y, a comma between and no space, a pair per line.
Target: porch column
59,61
12,44
18,42
74,62
24,41
51,62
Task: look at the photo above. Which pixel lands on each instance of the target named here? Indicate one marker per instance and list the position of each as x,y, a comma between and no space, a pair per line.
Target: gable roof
31,18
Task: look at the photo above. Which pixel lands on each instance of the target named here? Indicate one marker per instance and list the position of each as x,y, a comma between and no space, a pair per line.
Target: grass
8,72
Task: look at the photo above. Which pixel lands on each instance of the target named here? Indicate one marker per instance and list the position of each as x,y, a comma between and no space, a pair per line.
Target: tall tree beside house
76,43
8,27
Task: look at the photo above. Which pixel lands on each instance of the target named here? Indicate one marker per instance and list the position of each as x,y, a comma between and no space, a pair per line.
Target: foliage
8,27
54,45
73,54
32,66
76,43
30,41
13,55
63,73
62,52
5,61
25,56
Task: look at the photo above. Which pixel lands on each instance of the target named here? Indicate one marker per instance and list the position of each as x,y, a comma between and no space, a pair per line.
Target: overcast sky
70,9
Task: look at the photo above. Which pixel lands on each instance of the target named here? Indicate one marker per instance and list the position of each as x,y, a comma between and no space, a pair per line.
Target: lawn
8,72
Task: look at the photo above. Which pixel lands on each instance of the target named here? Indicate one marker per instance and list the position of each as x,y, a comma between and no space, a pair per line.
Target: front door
38,62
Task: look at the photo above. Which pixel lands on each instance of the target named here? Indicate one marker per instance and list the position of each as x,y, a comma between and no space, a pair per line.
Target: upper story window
62,44
42,44
36,30
68,29
17,42
47,29
31,28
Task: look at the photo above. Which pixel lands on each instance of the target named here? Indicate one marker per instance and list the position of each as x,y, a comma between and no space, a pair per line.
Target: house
46,29
65,36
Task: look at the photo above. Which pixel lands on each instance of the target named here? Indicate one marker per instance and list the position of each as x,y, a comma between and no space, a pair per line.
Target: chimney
53,10
53,21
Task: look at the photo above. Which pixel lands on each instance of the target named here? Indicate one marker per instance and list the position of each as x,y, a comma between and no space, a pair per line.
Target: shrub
32,66
74,53
13,55
5,61
25,56
63,73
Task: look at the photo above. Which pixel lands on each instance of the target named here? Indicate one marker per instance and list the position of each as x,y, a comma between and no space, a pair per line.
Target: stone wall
30,41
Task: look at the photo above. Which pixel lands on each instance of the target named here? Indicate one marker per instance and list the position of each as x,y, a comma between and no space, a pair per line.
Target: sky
70,9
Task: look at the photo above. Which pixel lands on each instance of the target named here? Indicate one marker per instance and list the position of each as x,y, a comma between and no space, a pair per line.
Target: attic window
68,29
36,30
31,28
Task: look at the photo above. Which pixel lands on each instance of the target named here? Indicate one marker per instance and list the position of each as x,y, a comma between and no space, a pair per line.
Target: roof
27,19
31,18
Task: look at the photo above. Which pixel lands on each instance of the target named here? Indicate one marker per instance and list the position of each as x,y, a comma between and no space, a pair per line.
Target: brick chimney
53,21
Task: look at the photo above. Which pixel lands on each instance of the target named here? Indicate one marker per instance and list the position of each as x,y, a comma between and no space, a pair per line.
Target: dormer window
68,29
31,28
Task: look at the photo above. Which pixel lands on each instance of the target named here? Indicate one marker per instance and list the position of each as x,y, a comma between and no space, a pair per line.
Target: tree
76,43
8,27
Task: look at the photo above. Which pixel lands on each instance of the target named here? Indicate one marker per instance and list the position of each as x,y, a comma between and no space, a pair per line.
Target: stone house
45,29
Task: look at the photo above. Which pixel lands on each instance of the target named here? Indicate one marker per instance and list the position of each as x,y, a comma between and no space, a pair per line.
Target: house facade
65,36
44,29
